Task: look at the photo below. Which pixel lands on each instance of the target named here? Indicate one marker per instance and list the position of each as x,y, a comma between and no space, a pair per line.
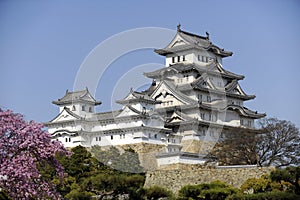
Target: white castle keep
192,102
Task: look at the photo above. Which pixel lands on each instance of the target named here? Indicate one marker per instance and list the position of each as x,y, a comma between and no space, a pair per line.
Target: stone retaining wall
176,176
146,154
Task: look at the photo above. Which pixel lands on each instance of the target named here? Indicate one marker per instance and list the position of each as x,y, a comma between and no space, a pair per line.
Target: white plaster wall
232,118
174,159
187,54
75,140
125,138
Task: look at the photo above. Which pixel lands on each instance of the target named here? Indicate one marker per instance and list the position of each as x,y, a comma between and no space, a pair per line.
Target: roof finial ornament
178,27
207,35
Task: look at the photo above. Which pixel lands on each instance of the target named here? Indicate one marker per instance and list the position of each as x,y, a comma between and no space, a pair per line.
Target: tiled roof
106,115
140,97
194,41
72,97
180,67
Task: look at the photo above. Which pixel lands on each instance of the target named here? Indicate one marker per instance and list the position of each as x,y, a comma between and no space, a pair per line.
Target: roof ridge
194,35
180,94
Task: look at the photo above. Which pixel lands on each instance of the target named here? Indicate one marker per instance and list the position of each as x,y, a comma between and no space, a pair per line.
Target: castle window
178,58
183,57
242,122
111,137
144,110
173,59
202,115
69,139
90,109
200,97
83,108
123,136
249,123
66,139
120,136
73,108
96,138
208,99
155,136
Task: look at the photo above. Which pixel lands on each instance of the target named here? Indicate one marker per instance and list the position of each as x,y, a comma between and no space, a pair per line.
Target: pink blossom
22,146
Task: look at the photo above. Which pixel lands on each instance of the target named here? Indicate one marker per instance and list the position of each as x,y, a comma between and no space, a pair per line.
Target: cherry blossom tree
23,147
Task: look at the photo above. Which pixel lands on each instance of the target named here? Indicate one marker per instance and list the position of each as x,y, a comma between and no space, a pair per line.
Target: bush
189,191
256,185
156,192
216,190
265,196
216,193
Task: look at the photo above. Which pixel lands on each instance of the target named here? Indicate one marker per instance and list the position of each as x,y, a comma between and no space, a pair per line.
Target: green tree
216,190
79,167
88,176
288,175
280,184
116,184
80,164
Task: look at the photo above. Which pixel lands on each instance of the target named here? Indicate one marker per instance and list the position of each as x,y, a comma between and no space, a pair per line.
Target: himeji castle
192,102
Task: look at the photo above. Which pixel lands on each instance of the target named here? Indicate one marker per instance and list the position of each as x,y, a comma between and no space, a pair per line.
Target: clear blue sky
43,44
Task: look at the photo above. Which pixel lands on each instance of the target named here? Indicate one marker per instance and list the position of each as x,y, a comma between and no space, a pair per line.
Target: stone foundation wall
197,146
174,177
146,154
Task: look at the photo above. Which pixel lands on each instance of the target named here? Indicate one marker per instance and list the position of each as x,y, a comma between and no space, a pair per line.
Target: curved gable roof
189,41
77,96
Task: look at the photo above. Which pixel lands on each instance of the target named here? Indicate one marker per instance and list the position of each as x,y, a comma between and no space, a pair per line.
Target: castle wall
146,153
174,177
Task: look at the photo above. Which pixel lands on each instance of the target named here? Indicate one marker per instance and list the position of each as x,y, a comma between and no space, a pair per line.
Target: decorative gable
65,115
166,93
88,97
128,111
175,118
177,41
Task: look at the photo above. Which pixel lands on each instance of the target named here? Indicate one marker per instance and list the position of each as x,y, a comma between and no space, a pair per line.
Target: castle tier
190,105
